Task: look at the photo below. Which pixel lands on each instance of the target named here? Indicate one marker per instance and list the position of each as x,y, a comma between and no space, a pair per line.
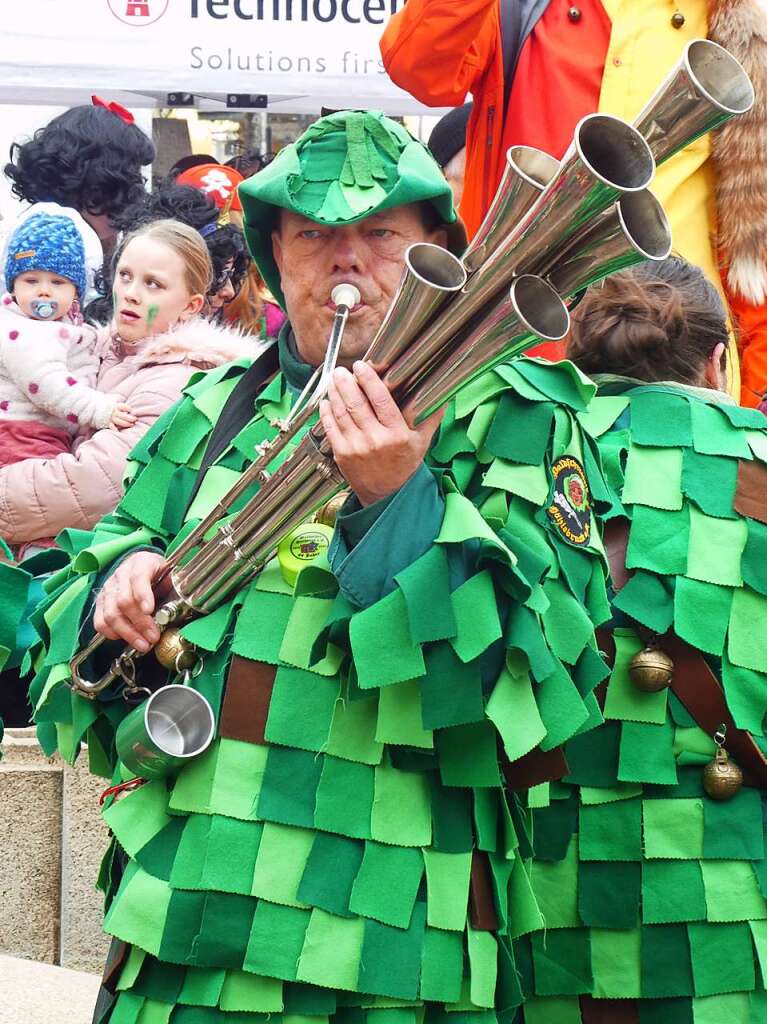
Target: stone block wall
51,843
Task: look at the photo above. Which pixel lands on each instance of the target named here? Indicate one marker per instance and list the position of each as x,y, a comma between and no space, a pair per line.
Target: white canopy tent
299,54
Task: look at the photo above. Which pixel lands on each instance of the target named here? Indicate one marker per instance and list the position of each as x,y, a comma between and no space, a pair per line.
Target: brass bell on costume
174,652
722,778
329,511
651,670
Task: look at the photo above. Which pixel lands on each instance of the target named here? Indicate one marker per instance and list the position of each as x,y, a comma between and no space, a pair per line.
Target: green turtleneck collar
294,369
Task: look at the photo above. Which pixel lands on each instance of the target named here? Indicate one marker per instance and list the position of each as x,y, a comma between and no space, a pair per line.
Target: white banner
302,54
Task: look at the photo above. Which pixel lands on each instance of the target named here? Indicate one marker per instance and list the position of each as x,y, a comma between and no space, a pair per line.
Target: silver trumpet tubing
528,172
449,321
706,88
633,230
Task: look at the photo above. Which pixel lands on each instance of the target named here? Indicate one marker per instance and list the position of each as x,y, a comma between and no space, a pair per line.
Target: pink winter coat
40,497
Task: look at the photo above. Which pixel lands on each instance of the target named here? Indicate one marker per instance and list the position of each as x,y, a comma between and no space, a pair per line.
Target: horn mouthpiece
345,295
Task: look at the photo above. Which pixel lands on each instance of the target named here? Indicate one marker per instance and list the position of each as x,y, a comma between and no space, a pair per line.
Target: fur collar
196,342
739,151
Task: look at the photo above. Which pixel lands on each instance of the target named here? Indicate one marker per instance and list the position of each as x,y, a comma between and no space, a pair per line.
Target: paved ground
33,993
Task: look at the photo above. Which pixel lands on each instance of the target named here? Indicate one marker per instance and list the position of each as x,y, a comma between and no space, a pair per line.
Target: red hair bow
115,108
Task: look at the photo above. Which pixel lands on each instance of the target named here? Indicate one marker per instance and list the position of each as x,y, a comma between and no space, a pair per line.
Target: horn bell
608,158
706,88
635,229
528,171
431,275
532,310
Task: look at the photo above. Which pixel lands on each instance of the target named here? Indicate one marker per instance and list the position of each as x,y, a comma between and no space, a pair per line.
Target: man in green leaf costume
649,871
356,843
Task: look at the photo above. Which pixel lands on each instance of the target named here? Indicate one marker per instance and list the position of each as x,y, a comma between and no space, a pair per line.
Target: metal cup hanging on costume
722,778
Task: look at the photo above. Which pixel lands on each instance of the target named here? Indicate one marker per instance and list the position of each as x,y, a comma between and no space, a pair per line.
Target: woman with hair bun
648,842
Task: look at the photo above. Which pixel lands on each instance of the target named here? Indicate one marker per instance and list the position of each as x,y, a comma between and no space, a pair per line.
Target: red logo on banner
138,12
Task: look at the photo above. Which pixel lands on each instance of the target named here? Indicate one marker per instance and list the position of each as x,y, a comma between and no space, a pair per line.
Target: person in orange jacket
535,67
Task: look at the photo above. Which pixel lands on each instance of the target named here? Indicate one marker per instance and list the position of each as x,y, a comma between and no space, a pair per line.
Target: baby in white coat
47,363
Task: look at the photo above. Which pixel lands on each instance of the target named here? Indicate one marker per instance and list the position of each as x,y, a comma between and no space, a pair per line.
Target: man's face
313,258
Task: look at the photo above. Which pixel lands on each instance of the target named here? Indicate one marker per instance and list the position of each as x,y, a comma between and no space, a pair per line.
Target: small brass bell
328,512
651,670
721,777
174,652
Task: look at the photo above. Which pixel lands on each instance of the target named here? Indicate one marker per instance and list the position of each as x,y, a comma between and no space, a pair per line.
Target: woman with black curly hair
225,243
89,160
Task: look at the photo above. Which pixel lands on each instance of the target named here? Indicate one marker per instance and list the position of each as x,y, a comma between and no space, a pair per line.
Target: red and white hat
217,181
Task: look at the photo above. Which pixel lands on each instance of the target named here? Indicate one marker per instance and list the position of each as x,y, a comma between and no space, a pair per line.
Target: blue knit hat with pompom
45,242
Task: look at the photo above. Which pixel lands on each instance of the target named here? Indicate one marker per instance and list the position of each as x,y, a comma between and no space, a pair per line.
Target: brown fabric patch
615,538
536,767
481,903
751,491
698,689
609,1011
246,700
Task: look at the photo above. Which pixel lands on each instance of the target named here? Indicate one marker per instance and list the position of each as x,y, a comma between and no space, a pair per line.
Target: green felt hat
345,167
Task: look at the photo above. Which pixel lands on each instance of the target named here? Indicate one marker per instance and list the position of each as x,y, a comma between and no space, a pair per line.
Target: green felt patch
289,787
476,615
709,481
702,613
520,429
648,599
401,812
608,894
747,638
216,853
345,798
276,940
733,828
261,625
616,963
451,818
659,540
425,586
562,962
352,733
330,872
647,753
331,952
712,433
380,663
280,863
467,756
661,419
447,887
716,546
400,714
754,561
746,693
673,829
441,966
653,477
390,964
301,709
566,624
611,831
722,958
624,700
513,709
666,961
386,884
732,892
451,690
555,885
672,892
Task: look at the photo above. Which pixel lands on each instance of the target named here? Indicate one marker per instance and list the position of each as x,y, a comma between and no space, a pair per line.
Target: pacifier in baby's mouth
43,309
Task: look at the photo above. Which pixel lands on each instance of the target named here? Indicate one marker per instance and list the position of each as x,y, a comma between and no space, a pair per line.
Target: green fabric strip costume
317,863
652,894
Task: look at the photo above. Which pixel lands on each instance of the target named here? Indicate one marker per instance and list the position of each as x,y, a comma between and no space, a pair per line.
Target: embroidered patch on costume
306,546
26,255
570,508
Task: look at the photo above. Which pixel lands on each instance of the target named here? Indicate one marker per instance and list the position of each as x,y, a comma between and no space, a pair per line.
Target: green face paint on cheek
151,315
